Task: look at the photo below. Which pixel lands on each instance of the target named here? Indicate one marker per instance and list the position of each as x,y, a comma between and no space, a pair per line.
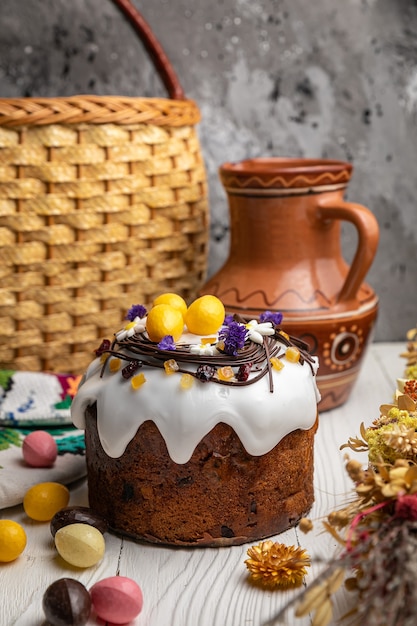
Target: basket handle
160,60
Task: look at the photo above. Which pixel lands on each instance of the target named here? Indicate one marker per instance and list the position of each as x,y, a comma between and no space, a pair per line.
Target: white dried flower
138,325
257,331
203,349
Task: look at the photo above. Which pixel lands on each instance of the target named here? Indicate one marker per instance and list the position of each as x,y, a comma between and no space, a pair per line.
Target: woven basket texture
103,204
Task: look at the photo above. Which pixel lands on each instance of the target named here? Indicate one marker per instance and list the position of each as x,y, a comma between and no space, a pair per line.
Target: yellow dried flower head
411,372
402,439
386,438
276,565
355,470
305,525
339,519
412,335
387,482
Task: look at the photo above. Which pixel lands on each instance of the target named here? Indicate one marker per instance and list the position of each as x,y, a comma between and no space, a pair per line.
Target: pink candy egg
117,599
39,449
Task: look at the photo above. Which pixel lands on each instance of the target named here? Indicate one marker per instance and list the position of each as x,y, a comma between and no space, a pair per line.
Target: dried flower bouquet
377,529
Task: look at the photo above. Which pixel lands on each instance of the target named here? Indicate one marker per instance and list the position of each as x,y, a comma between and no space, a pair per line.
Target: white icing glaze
184,416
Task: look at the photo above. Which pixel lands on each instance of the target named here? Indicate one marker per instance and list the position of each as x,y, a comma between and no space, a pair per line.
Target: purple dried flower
228,320
270,316
136,310
233,337
167,343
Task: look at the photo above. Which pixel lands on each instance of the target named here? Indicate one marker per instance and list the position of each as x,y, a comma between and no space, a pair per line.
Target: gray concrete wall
272,77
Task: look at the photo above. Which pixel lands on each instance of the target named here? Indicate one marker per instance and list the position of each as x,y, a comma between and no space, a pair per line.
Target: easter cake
199,427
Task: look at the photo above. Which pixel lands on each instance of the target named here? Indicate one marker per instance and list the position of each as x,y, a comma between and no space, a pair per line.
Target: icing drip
261,407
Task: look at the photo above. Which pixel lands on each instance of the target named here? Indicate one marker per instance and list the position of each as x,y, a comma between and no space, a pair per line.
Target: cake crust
222,496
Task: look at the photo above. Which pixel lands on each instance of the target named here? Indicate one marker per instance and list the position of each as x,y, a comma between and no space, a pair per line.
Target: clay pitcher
285,255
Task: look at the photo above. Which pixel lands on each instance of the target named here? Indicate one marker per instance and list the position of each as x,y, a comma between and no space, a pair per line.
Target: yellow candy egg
163,320
174,300
42,501
205,315
81,545
12,540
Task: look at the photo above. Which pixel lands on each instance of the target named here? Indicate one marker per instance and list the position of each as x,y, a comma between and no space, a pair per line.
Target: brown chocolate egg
77,515
67,603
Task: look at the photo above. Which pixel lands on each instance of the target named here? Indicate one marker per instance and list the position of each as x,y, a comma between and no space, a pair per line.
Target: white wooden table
207,587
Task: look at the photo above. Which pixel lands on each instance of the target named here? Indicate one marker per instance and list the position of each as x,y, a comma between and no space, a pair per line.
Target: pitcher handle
368,236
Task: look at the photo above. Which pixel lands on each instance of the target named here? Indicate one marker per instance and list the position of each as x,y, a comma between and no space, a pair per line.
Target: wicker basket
103,204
